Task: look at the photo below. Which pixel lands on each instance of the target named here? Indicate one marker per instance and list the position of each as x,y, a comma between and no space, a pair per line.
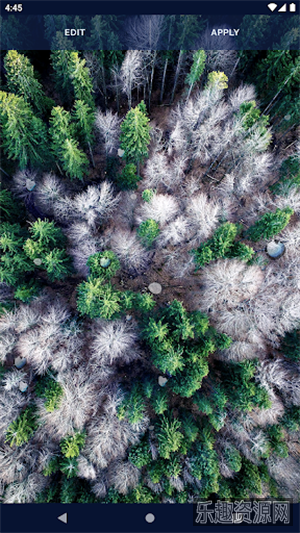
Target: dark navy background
119,518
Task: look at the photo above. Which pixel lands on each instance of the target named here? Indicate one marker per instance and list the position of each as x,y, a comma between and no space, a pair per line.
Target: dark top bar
85,32
118,7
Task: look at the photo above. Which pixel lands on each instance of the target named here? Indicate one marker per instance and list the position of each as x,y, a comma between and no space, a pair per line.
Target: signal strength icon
272,6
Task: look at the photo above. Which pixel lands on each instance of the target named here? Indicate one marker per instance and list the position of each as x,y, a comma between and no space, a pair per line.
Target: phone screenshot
149,267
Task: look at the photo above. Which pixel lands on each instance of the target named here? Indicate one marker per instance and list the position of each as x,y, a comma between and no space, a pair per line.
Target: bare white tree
238,323
203,217
105,441
25,491
239,351
95,204
27,317
78,404
244,93
276,308
99,487
24,182
177,142
228,282
207,136
7,343
108,125
162,208
63,209
221,60
85,469
175,232
48,191
127,247
38,345
131,72
286,473
108,437
11,403
290,199
68,354
78,232
82,252
17,462
114,341
284,376
178,262
123,476
8,321
155,487
12,379
177,483
265,417
143,32
157,170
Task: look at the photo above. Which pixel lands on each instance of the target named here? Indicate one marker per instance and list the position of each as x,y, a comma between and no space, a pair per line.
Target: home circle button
150,518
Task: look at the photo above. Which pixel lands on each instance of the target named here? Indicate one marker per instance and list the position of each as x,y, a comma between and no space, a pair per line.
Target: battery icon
292,8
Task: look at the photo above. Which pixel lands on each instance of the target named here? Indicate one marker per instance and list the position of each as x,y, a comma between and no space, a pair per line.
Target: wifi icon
272,6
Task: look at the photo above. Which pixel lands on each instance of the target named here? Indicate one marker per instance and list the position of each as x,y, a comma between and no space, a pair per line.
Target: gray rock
162,381
121,152
30,184
23,386
104,262
37,261
275,249
20,362
155,288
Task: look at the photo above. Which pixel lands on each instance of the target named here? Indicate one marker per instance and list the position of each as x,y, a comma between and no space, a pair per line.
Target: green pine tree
24,135
69,467
60,129
103,264
135,136
49,389
233,458
22,81
160,401
128,179
74,161
169,437
217,80
60,60
148,231
196,71
14,262
140,454
80,78
84,117
70,446
270,224
98,299
21,430
57,264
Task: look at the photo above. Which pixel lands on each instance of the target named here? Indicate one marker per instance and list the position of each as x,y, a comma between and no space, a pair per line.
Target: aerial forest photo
150,267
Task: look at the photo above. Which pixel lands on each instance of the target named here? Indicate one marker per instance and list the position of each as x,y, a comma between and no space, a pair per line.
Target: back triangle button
63,518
